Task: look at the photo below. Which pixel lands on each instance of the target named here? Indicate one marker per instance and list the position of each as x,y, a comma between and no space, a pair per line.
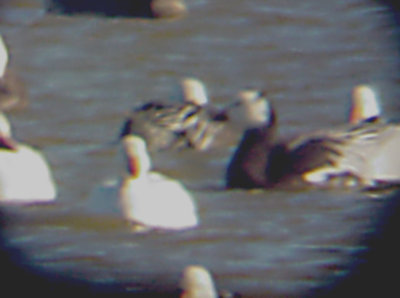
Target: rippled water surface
84,72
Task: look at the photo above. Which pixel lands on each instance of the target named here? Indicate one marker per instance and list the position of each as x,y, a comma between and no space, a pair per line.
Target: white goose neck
3,57
138,159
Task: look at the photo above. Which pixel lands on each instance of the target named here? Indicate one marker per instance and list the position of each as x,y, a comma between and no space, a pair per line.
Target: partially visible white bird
150,199
25,175
197,282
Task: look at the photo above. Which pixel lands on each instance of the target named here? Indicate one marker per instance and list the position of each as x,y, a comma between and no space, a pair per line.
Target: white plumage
149,198
364,105
197,282
25,175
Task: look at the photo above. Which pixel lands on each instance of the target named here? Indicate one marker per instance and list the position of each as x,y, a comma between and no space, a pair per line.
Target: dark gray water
84,72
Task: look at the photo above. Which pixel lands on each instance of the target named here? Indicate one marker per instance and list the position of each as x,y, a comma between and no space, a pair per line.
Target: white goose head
137,157
364,105
193,91
197,283
3,57
252,109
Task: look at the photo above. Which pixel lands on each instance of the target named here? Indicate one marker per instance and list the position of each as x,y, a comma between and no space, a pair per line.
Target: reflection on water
83,73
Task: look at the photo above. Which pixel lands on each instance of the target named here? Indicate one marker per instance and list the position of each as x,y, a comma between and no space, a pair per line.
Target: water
84,72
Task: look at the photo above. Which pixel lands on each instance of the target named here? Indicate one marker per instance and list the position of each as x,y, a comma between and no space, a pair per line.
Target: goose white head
194,91
197,283
3,57
138,159
364,104
251,110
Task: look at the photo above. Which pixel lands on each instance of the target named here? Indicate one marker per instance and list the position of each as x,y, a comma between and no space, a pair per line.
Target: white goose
150,199
25,175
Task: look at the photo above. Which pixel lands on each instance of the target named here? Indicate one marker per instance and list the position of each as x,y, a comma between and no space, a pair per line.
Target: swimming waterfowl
197,282
175,125
25,175
193,124
150,199
12,93
162,124
355,156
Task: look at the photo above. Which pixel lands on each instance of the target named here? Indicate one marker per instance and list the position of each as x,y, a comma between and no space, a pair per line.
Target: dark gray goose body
364,155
